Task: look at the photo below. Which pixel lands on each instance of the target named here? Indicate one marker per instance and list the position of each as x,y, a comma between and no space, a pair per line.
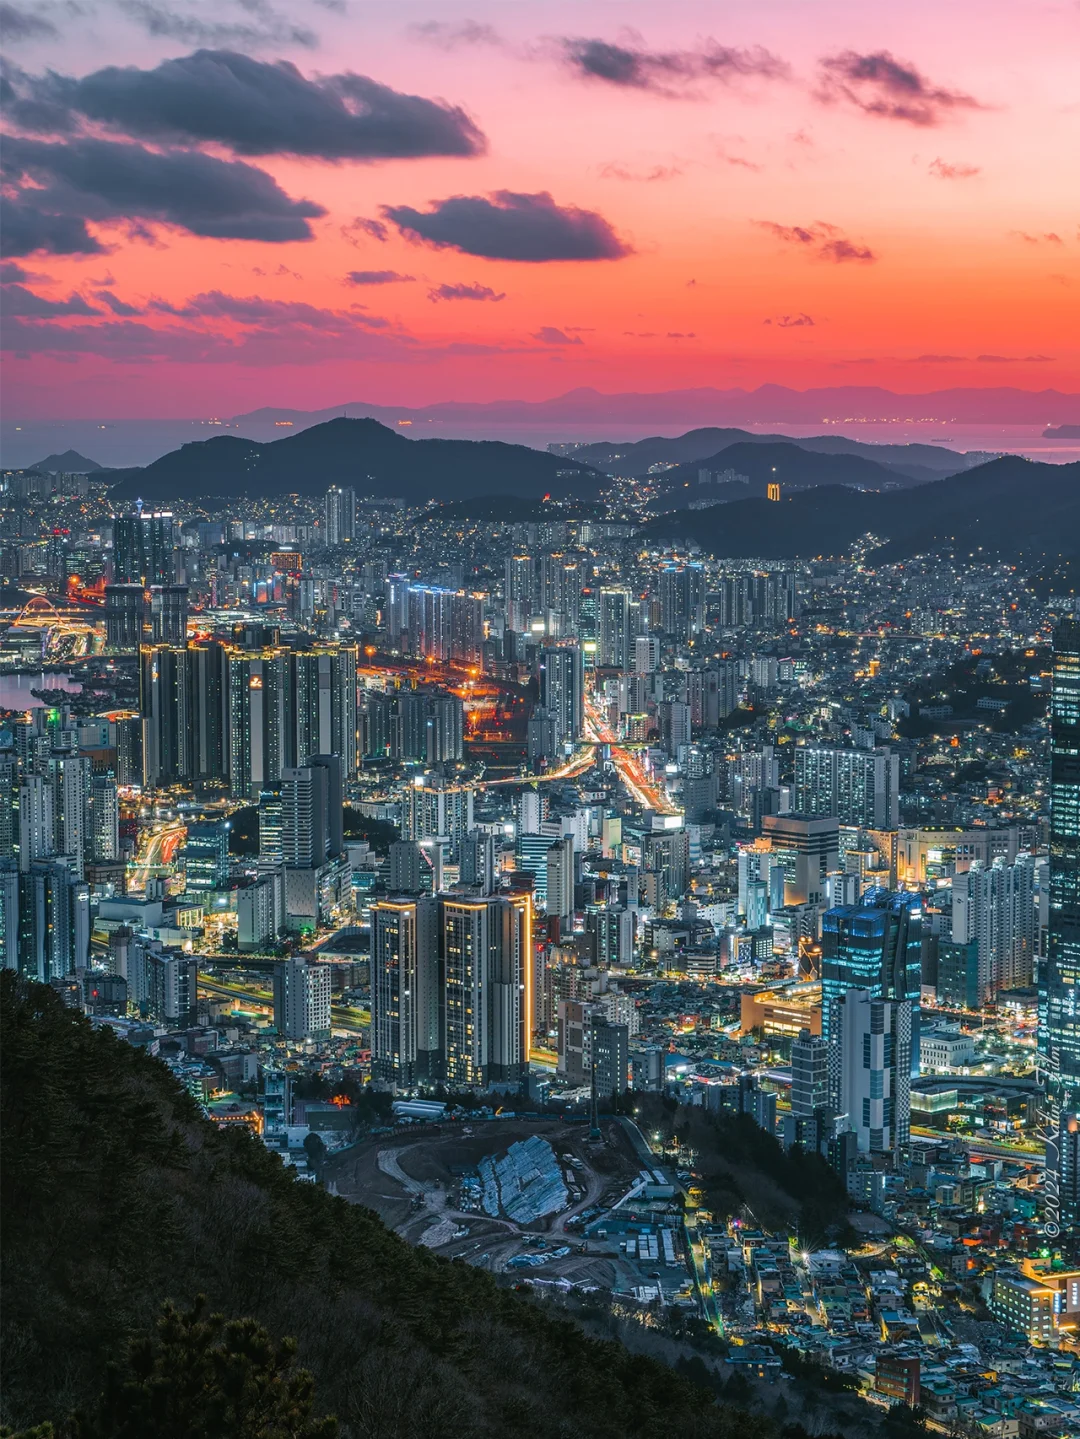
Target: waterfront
15,688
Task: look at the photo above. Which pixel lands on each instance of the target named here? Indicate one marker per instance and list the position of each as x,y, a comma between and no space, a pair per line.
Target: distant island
1062,432
70,462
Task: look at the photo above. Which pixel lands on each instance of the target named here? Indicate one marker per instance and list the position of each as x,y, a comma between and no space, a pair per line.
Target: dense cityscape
692,943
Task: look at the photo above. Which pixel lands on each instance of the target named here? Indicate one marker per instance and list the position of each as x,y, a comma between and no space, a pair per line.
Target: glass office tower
875,945
1059,973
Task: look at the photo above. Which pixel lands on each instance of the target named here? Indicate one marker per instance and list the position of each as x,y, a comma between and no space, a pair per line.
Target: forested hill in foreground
1009,506
363,454
117,1195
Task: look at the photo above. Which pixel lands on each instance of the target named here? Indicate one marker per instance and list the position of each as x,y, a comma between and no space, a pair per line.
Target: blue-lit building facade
1059,974
206,856
875,945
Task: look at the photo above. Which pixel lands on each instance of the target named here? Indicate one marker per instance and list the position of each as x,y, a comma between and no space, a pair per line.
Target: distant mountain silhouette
1009,506
768,404
69,463
371,458
1062,432
915,461
785,463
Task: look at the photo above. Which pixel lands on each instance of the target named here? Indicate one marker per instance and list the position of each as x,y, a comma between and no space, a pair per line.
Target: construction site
541,1201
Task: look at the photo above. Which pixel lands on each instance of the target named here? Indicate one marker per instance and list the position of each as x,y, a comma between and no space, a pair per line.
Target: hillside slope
789,465
1010,506
371,458
117,1194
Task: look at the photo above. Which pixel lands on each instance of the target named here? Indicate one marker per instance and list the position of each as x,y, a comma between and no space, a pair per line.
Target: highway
353,1021
645,793
157,848
988,1148
583,758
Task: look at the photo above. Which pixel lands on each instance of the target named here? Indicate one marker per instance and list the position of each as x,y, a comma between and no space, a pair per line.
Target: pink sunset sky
215,206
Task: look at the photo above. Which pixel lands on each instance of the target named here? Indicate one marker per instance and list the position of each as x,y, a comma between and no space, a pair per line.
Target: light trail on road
646,794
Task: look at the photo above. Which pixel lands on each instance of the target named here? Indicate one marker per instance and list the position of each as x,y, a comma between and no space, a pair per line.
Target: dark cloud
878,84
376,277
841,250
28,230
373,229
791,322
255,310
464,292
261,25
12,273
824,241
17,24
550,335
1014,359
448,36
681,335
672,73
100,180
215,328
16,299
116,305
1049,238
948,170
252,106
509,226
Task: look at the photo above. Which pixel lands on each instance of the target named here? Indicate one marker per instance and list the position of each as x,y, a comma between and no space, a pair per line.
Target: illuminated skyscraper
321,705
143,549
125,617
560,882
562,689
613,648
340,515
405,999
430,613
206,856
168,614
521,590
858,786
302,1000
183,711
257,719
871,1050
874,946
485,953
53,920
1059,973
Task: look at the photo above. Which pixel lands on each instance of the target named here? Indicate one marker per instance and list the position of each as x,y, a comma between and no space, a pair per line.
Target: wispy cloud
878,84
954,170
823,241
465,292
675,74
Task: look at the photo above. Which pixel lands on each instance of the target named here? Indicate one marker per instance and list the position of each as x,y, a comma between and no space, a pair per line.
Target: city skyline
540,719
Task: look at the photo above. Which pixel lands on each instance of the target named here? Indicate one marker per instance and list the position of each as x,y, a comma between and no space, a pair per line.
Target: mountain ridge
1009,506
1005,404
917,461
362,453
